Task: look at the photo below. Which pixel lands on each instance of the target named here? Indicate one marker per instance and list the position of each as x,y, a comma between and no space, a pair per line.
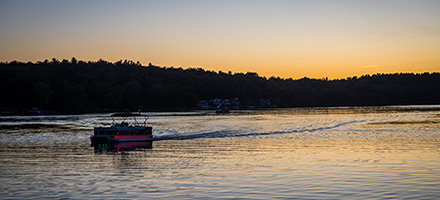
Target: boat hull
120,138
127,138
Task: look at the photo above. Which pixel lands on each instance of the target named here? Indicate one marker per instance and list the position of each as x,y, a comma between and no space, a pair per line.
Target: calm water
335,153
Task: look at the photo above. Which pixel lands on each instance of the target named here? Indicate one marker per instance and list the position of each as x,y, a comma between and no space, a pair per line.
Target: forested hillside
83,87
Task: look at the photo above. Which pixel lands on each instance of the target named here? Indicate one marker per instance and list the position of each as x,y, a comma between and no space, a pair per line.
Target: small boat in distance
124,132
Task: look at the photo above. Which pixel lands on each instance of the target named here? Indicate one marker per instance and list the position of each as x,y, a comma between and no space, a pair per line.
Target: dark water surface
321,153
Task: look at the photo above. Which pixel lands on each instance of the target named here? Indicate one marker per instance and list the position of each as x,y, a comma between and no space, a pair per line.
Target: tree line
75,86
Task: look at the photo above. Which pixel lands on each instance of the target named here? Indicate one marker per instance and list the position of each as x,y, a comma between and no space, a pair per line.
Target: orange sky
312,38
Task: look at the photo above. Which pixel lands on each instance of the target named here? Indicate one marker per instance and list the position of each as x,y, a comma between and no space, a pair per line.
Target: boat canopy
128,114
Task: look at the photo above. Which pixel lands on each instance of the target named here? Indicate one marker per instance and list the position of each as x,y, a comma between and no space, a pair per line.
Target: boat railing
126,116
131,130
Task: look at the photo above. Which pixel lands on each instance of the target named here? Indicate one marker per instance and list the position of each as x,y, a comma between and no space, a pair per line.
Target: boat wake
242,133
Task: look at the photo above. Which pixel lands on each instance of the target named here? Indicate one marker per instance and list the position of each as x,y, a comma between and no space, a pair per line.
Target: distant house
218,102
235,103
265,103
203,105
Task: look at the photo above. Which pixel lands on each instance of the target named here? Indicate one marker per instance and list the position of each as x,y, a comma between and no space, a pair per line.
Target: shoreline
369,108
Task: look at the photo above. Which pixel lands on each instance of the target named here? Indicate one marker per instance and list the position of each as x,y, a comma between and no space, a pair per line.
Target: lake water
309,153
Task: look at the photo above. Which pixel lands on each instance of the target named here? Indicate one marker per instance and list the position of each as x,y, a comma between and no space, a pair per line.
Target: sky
281,38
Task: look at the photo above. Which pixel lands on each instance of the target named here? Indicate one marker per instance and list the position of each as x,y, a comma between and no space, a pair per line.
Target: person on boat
123,124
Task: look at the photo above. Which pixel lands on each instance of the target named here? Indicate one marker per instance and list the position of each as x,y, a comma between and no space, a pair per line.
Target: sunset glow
289,39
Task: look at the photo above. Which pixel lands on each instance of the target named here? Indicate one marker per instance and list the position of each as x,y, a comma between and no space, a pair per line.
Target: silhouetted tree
73,61
79,86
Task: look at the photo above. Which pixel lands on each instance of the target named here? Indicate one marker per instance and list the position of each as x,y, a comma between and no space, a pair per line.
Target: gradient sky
285,38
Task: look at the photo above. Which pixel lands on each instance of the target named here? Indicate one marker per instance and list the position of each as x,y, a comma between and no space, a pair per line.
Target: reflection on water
122,147
336,154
